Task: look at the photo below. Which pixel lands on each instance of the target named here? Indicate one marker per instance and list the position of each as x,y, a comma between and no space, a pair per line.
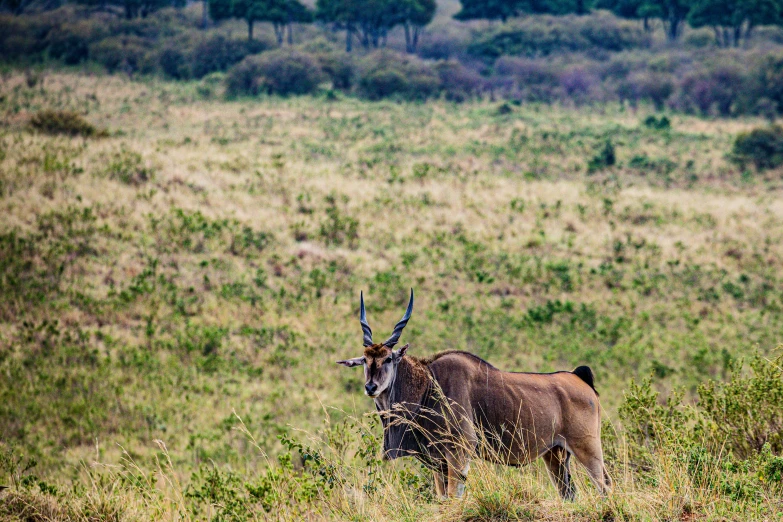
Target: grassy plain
174,295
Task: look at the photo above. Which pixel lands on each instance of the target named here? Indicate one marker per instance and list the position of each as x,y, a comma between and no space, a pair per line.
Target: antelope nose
371,388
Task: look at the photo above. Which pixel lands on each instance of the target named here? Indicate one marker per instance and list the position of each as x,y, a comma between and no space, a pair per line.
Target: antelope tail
586,374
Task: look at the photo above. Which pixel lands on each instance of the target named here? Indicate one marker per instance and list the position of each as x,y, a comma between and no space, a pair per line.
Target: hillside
191,277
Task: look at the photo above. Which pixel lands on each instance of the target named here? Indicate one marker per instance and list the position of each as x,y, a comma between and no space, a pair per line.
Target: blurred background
711,57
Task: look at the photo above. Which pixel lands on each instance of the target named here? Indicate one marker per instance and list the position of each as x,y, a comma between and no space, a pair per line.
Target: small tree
734,20
672,13
631,9
415,15
141,8
280,13
505,9
342,14
368,20
133,8
488,9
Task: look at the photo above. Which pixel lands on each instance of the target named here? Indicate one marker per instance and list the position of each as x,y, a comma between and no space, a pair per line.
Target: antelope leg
457,476
440,485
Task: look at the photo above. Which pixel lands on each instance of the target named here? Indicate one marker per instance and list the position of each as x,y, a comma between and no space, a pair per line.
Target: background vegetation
709,57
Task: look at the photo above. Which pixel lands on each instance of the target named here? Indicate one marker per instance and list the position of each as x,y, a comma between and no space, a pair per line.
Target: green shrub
218,53
338,228
746,413
662,123
385,83
64,122
715,89
174,63
387,74
339,67
69,45
283,72
457,82
22,37
700,38
652,86
244,79
120,53
530,79
741,418
128,167
609,33
762,147
768,82
543,35
604,158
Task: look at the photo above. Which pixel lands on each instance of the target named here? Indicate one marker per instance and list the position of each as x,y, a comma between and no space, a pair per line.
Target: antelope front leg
440,485
457,478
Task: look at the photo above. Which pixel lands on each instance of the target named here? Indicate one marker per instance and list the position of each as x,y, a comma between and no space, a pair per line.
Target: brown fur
377,351
440,407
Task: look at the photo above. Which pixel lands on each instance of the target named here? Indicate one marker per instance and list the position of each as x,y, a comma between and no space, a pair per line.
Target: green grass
192,278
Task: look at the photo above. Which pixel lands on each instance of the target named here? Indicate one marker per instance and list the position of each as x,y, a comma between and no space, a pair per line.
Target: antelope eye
388,360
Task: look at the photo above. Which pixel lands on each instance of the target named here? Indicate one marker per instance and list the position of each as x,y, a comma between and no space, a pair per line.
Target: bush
662,123
64,122
120,53
716,89
218,53
762,147
741,418
21,38
768,80
339,68
148,28
281,72
387,74
699,38
609,33
458,83
128,167
746,413
650,86
604,158
70,43
533,79
543,35
579,84
444,44
174,63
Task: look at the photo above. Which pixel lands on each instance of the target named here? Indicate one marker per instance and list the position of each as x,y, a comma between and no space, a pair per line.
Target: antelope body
438,410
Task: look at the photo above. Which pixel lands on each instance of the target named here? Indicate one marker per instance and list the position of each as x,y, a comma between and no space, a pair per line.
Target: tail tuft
586,374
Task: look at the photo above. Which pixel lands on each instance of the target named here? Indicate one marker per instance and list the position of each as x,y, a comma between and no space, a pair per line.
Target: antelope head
379,360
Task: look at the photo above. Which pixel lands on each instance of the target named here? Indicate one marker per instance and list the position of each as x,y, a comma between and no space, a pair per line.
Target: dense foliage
556,57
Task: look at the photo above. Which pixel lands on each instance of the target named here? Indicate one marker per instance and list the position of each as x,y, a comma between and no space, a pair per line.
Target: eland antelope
439,409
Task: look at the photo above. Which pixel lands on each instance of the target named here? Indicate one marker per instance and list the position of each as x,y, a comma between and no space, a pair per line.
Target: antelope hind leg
557,463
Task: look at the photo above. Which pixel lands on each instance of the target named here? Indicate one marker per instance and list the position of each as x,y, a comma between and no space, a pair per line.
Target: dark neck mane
399,407
412,381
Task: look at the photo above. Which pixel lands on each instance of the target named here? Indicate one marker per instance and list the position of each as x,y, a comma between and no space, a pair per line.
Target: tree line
732,20
368,22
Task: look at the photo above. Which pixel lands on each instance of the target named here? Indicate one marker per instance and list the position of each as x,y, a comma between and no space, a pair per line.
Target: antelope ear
399,354
350,363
